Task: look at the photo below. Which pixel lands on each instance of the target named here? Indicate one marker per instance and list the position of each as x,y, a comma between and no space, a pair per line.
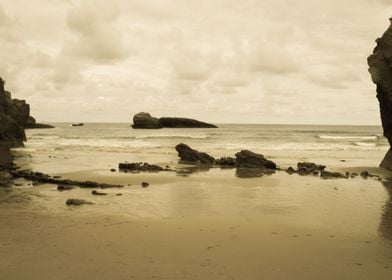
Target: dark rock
77,202
32,124
380,69
139,167
291,170
226,162
146,121
77,124
38,177
94,192
307,168
119,194
248,159
64,187
13,117
109,186
145,184
187,154
112,170
184,123
331,175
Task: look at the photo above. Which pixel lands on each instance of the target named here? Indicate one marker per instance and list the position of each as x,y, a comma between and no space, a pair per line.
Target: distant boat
77,124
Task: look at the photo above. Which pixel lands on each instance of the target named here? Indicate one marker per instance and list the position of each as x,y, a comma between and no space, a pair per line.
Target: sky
221,61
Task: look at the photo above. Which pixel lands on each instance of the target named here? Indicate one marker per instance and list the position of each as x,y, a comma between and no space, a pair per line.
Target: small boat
77,124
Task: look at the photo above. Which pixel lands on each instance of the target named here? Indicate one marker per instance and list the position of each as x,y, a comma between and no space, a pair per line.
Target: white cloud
229,60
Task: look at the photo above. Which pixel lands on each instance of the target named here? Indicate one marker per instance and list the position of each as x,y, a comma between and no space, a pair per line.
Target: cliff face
380,68
13,117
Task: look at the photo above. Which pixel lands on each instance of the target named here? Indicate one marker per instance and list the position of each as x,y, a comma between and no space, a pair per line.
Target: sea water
286,144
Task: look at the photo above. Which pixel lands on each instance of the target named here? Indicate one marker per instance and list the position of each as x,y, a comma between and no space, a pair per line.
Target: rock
184,123
94,192
291,170
307,168
13,117
138,167
331,175
380,69
112,170
248,159
32,124
65,187
146,121
226,162
145,184
365,174
187,154
38,177
77,202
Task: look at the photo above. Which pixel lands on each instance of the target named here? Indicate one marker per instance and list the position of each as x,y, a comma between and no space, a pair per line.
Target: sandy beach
202,225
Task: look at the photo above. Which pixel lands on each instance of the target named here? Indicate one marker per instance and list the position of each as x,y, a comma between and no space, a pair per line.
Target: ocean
98,145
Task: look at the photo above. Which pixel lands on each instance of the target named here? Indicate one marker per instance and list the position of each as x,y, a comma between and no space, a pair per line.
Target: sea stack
146,121
380,68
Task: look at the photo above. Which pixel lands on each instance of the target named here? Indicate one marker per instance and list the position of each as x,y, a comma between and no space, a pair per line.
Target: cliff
146,121
380,69
13,117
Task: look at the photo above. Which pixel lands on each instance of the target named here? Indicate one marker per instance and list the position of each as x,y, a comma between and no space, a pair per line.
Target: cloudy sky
223,61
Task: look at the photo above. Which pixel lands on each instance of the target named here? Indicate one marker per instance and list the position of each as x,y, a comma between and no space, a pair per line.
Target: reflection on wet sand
239,172
386,218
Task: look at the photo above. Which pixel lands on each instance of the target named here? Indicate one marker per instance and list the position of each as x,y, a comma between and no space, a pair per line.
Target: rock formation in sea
146,121
380,68
32,124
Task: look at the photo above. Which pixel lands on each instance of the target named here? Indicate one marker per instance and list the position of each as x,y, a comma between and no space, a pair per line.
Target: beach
196,222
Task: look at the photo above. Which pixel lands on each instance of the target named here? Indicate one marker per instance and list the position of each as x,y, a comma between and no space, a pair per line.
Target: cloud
97,36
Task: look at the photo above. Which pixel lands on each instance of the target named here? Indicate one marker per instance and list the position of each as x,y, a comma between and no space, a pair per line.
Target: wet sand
202,225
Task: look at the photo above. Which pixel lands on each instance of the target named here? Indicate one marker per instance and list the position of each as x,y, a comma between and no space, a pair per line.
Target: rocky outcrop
184,123
139,167
13,117
187,154
248,159
380,68
146,121
32,124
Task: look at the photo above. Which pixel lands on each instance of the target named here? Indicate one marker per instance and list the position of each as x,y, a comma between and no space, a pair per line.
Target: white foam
348,137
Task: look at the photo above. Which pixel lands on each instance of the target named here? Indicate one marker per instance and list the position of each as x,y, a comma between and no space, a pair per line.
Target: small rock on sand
77,202
94,192
145,184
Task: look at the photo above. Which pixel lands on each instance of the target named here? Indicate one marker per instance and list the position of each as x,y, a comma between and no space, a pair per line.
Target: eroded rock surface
380,68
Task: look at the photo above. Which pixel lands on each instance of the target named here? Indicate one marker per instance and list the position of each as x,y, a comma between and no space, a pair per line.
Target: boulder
248,159
380,69
187,154
146,121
